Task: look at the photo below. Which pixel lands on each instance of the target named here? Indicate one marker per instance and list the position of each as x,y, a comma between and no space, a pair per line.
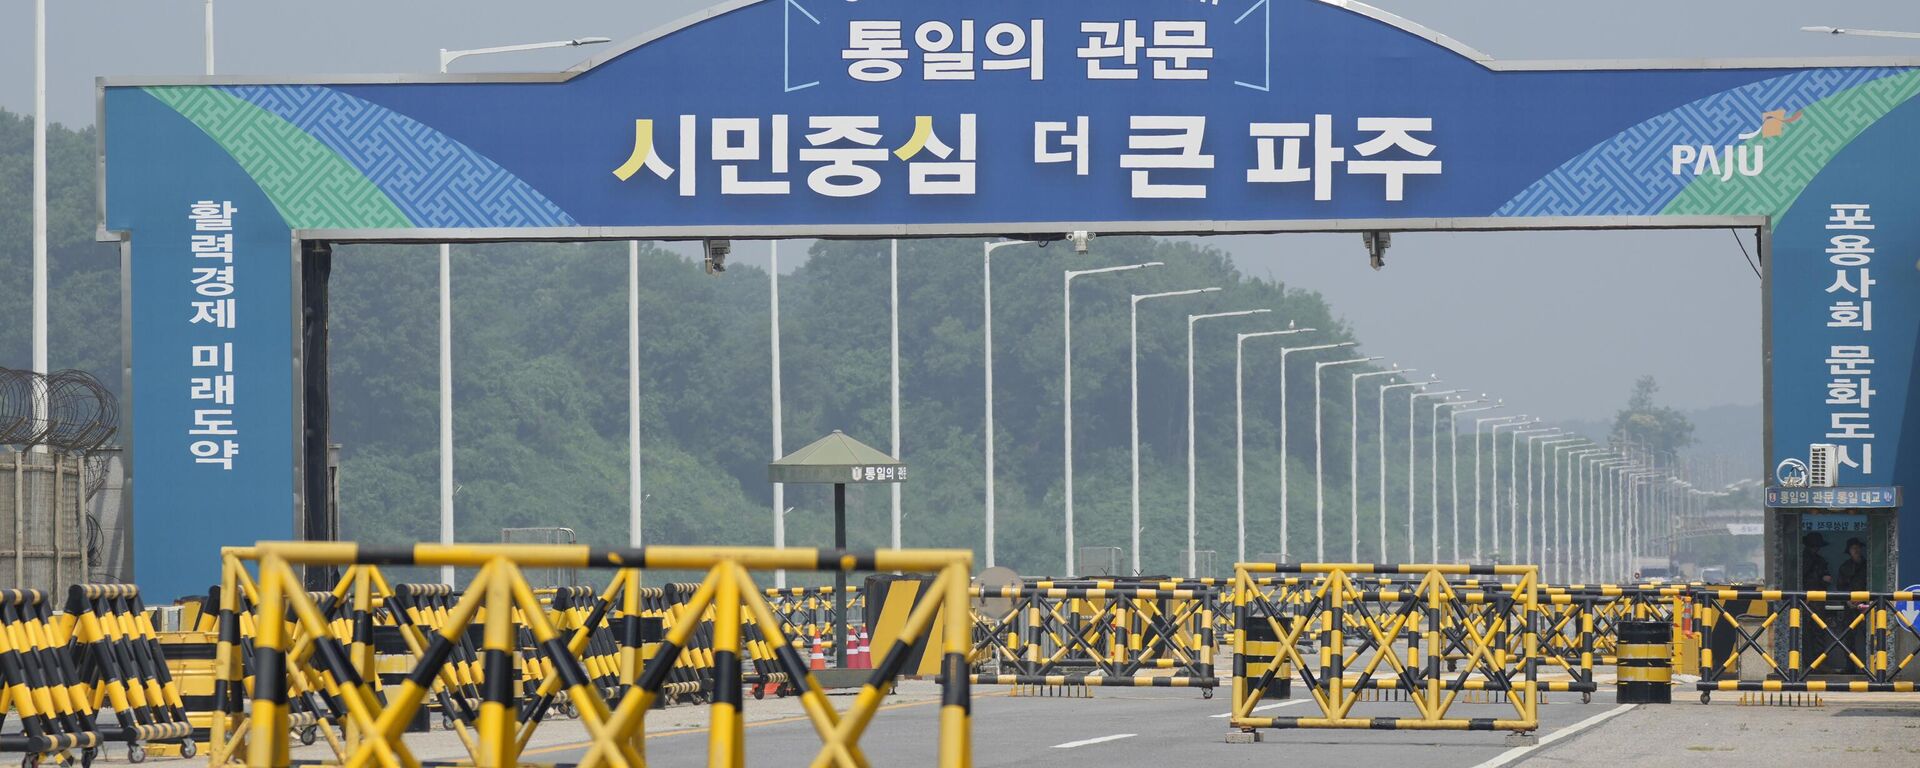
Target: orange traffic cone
865,659
819,660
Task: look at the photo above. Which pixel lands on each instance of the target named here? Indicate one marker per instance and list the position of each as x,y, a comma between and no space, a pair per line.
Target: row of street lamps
1601,489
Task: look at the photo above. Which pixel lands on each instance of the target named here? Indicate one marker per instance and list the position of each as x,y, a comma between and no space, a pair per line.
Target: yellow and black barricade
1805,639
1111,634
1399,635
296,643
41,684
120,662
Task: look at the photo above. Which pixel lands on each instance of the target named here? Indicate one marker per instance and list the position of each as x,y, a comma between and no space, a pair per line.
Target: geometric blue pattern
435,180
1631,174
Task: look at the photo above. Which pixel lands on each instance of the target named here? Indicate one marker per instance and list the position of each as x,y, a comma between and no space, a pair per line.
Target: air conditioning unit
1822,465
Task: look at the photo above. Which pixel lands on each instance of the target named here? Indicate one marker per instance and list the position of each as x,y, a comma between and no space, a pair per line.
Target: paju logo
1747,158
1791,473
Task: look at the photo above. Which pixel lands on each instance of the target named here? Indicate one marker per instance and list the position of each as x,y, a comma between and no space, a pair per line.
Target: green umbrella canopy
837,458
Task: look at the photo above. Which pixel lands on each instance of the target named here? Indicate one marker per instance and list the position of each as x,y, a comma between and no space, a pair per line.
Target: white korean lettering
876,50
842,173
1073,145
1112,40
1179,50
1395,132
737,140
1166,142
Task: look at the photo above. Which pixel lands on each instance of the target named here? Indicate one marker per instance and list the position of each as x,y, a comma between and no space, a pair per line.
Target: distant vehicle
1744,573
1713,575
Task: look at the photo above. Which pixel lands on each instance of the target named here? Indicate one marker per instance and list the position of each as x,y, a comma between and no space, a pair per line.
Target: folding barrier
41,684
1402,633
296,643
1099,637
119,660
806,613
1796,634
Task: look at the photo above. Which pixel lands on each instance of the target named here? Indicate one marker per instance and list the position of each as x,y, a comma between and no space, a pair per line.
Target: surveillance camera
1080,238
716,255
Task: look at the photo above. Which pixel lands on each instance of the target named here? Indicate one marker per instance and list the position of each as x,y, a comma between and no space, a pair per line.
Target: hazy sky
1683,306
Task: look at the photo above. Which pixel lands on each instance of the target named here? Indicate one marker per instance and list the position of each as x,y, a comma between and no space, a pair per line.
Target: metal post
1240,435
208,38
779,443
1286,463
39,205
1066,398
986,431
1192,460
1353,455
1319,457
635,497
1382,444
446,404
893,374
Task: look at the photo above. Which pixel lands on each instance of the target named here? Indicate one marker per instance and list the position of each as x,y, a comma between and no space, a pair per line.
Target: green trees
1659,430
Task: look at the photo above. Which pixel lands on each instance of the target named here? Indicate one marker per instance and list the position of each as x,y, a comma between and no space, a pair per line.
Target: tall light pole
1494,480
1550,534
1240,433
1433,478
1453,466
40,203
1593,502
1192,461
1382,445
986,333
779,442
1066,399
1353,454
635,497
1413,419
1319,456
1577,500
207,38
1513,490
893,368
1548,435
447,57
1286,540
1479,425
1133,400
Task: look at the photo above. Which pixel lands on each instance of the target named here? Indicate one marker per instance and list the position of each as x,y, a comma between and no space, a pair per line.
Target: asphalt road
1121,727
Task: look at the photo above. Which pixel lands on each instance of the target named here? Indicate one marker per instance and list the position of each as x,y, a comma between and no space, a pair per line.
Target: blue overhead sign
782,118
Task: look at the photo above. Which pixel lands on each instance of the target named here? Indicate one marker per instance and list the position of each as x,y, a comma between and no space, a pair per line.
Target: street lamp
779,440
1599,485
1513,490
1550,535
446,299
1558,438
1286,541
1240,432
1577,498
986,333
1353,454
1319,460
1192,473
1494,480
39,205
1412,419
1066,399
1382,445
1478,427
1453,465
1133,398
1433,477
1862,32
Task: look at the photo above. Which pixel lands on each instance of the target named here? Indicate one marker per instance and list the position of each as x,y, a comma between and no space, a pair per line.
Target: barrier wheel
30,760
308,734
1586,698
136,753
1706,697
1206,693
446,721
188,749
759,693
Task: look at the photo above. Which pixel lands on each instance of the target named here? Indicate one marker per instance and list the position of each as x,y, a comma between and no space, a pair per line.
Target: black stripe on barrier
430,662
658,668
890,665
956,690
726,678
270,675
564,664
498,686
378,554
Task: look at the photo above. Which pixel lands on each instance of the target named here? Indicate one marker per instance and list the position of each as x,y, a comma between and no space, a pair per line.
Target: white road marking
1085,742
1265,707
1509,756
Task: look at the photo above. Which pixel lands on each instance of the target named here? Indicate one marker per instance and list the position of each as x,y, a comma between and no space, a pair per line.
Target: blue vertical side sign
1846,315
210,391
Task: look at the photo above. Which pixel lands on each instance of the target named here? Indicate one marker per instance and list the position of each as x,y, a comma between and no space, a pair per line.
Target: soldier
1815,573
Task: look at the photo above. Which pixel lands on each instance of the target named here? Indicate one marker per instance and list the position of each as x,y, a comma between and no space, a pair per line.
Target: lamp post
1577,499
1319,456
1133,399
636,498
1240,433
986,333
1353,454
206,14
1513,490
1192,462
1556,435
1433,477
1066,399
1453,465
1382,446
1495,481
1286,540
1594,501
1478,427
1550,535
1413,419
893,369
447,57
39,205
779,447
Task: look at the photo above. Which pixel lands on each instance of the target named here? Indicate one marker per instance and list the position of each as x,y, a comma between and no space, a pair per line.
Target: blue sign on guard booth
883,118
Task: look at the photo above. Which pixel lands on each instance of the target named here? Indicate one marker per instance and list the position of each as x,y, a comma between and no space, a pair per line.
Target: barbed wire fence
73,417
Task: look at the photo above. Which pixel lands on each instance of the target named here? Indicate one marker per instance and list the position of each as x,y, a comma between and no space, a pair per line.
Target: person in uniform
1853,577
1815,572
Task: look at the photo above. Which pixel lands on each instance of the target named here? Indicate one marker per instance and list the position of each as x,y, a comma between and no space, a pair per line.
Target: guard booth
1812,535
